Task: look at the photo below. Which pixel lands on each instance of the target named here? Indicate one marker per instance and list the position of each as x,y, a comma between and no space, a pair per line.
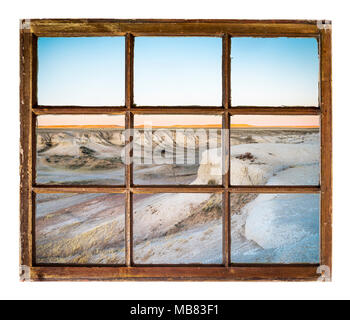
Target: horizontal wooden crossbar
250,273
176,189
170,27
177,110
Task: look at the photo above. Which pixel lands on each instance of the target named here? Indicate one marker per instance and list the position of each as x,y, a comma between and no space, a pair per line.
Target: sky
80,120
172,120
275,121
274,71
177,71
81,71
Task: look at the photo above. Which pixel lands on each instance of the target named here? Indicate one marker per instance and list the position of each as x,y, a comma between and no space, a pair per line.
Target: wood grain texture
251,273
27,98
274,189
78,189
175,189
326,147
40,110
129,126
225,136
226,71
99,27
226,229
178,189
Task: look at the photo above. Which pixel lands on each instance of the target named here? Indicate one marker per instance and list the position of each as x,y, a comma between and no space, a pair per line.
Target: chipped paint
324,24
24,24
24,273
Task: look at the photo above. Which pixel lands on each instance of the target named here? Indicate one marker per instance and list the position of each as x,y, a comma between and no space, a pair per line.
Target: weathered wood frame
29,109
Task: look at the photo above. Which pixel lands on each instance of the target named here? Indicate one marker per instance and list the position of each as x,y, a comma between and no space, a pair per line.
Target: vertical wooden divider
129,125
326,147
28,65
226,101
33,137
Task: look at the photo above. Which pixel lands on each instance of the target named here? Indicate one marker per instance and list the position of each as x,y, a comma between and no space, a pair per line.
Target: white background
12,11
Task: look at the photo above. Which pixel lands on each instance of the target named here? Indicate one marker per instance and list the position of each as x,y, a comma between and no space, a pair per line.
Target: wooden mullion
34,101
129,126
226,71
78,189
326,147
129,229
226,101
177,189
297,110
190,110
226,228
41,110
27,99
275,189
173,27
34,148
174,189
129,70
247,273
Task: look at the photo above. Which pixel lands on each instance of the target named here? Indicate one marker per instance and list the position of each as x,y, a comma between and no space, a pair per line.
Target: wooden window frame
225,29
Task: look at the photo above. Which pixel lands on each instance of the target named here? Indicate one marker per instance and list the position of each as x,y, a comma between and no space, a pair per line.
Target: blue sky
81,71
178,71
274,71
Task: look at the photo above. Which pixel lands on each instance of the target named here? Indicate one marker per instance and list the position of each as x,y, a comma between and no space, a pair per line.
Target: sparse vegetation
246,156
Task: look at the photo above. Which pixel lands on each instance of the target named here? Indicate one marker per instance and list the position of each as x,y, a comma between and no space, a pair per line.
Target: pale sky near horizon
80,120
171,120
269,120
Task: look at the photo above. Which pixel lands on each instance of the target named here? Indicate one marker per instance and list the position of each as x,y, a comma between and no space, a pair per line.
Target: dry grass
208,210
98,245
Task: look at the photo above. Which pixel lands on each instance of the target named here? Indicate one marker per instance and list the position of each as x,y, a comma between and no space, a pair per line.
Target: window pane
178,71
274,71
80,149
275,228
177,228
80,228
81,71
275,150
177,149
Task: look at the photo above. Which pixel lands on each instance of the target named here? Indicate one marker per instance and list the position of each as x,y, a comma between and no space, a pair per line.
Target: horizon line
216,126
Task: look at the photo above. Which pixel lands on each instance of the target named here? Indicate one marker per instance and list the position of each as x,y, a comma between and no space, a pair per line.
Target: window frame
225,29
